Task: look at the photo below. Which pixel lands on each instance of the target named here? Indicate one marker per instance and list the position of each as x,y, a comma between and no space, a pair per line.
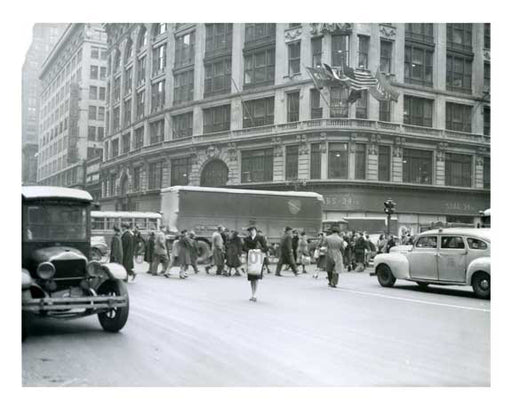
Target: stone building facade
233,105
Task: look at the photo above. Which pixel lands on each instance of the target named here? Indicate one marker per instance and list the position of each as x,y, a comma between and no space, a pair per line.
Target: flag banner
385,88
319,76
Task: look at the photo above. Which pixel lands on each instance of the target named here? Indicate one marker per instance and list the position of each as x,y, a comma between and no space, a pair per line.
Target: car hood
53,253
400,249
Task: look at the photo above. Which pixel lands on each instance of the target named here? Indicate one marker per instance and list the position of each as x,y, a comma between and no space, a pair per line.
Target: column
479,172
372,162
304,159
278,161
397,164
439,172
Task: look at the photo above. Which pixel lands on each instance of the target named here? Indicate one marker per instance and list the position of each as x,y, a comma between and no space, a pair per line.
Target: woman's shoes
253,299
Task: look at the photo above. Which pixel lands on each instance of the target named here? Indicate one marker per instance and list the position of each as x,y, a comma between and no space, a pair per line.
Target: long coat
116,249
184,251
233,252
217,249
334,257
194,251
150,247
287,250
302,249
128,249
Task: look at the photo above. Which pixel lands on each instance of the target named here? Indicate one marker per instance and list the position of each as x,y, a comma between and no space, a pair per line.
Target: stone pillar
281,55
197,120
373,65
439,63
237,59
280,110
200,34
233,163
372,159
439,172
397,164
278,160
324,157
352,156
166,173
479,170
304,162
399,53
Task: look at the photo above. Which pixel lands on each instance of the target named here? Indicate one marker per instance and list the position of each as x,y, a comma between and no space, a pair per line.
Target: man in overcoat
160,254
286,252
128,249
217,251
116,247
334,257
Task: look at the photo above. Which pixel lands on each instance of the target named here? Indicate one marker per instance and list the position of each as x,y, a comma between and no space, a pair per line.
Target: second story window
217,119
417,111
292,162
182,125
417,166
258,112
185,50
458,117
458,169
292,106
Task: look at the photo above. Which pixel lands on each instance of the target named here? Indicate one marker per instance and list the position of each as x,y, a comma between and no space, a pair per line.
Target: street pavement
204,331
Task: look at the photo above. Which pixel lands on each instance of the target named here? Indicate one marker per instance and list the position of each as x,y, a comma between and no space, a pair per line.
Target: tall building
233,105
72,100
44,36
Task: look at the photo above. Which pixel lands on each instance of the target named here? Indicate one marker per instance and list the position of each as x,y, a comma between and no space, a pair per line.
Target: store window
384,163
458,169
292,162
360,158
338,161
258,165
417,166
315,162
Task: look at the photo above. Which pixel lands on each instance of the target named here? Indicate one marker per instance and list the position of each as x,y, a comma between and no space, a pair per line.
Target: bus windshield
56,222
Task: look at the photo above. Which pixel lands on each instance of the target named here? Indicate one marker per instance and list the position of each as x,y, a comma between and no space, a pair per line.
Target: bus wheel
203,251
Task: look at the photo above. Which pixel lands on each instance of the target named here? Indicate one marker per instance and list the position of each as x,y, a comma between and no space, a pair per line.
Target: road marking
414,300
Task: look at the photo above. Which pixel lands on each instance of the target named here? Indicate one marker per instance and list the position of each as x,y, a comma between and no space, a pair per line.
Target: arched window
142,39
128,52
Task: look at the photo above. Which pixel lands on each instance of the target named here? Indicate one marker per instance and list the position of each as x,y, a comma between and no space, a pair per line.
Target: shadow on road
45,327
440,290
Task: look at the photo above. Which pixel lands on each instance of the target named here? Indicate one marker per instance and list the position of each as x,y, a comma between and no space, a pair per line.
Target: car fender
397,262
115,270
26,279
479,264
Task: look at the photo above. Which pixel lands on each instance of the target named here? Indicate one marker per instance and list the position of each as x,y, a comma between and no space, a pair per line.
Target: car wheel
423,285
481,283
96,254
385,277
114,319
203,252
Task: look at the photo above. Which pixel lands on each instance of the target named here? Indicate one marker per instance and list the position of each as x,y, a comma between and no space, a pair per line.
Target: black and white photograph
221,202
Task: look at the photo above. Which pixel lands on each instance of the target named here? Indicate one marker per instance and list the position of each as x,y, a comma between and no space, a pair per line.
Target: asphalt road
204,331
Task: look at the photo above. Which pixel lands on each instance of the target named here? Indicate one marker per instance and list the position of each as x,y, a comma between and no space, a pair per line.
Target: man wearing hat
217,251
334,256
286,252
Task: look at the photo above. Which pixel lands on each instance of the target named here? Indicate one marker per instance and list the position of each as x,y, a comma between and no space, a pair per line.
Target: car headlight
94,268
46,270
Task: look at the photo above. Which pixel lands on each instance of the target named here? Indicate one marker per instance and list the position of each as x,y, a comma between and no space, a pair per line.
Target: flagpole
243,104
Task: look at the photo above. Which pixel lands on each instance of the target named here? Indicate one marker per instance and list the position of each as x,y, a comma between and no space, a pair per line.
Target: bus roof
302,194
125,214
47,192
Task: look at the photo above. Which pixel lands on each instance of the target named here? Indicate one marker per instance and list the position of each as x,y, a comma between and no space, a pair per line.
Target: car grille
69,269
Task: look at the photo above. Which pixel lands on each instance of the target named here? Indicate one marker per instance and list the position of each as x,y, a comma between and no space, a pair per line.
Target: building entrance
215,174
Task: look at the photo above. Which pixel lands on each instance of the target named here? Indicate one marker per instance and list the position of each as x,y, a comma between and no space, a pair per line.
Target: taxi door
423,259
452,259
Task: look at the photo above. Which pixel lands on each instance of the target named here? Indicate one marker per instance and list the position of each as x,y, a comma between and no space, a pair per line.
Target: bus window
128,221
111,222
98,223
140,223
152,224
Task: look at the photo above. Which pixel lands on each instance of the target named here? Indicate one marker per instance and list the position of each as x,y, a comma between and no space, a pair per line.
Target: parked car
100,250
452,256
57,279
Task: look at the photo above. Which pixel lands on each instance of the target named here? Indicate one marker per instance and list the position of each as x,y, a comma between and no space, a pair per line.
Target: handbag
306,260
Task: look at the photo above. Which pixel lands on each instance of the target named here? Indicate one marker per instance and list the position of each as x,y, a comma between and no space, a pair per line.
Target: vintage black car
57,279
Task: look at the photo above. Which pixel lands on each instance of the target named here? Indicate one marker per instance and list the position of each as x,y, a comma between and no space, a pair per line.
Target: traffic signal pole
389,209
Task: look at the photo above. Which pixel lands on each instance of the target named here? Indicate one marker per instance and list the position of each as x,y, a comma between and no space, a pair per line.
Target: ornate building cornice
331,28
388,32
293,34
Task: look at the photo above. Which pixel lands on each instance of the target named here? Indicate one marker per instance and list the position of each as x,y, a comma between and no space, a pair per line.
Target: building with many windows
44,36
72,113
233,105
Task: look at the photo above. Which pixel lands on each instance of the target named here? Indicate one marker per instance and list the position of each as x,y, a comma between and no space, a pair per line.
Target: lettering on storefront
345,201
458,206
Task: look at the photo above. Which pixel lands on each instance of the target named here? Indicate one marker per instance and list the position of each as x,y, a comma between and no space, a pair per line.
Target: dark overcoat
233,252
287,257
116,249
128,249
184,251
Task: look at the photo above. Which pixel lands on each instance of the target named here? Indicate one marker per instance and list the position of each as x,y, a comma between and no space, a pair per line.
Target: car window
476,244
427,242
452,242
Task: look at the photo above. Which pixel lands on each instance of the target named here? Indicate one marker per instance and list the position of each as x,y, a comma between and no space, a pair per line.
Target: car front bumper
96,303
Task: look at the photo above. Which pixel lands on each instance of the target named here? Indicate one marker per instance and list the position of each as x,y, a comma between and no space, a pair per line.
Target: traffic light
389,207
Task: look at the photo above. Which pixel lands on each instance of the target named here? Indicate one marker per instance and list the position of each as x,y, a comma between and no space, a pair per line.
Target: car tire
423,285
203,251
481,283
385,276
114,319
96,255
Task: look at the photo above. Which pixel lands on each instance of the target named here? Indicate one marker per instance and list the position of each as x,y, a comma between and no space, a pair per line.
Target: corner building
233,105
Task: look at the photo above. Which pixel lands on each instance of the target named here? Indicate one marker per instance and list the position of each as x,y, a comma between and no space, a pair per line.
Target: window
292,106
487,172
263,32
217,79
362,105
155,175
314,100
116,89
452,242
116,119
259,112
91,133
158,96
458,169
385,111
364,45
137,178
182,125
95,52
159,29
103,73
458,73
459,36
156,132
294,58
101,113
126,143
117,61
93,92
487,76
417,166
418,65
360,158
217,119
138,139
316,51
115,148
101,133
487,36
141,96
292,162
142,40
92,112
487,121
384,163
340,50
315,167
423,32
128,78
476,244
258,165
94,72
141,71
386,56
219,39
339,103
458,117
159,59
417,111
184,53
184,86
102,93
338,160
127,112
259,67
180,171
427,242
128,51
